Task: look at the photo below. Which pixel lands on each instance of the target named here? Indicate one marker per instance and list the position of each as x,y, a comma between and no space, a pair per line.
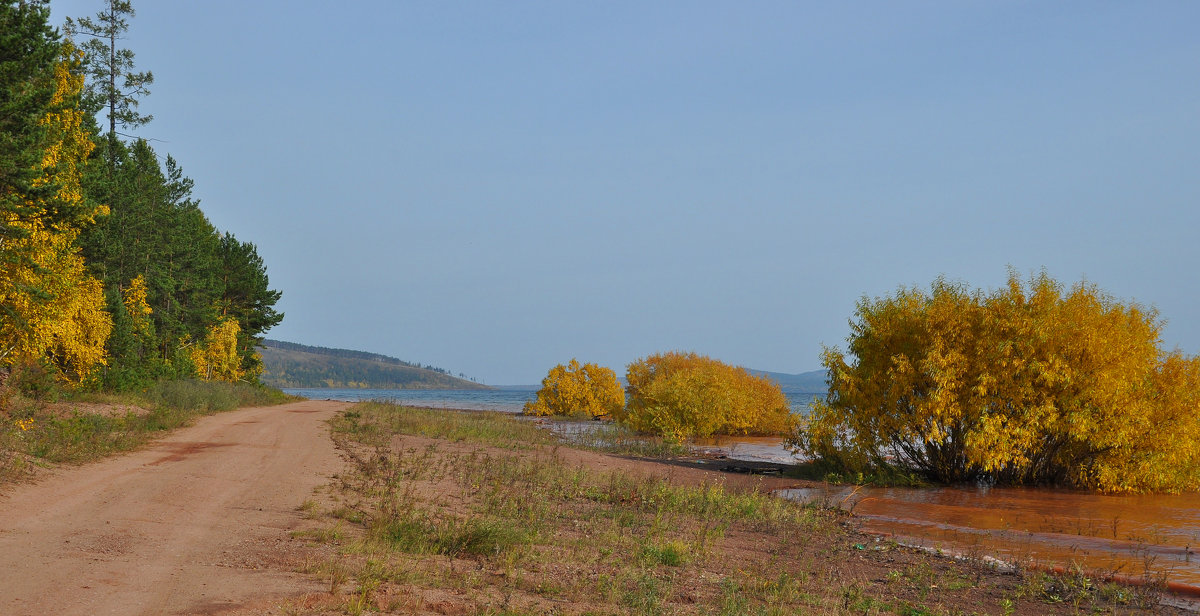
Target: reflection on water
752,448
1129,535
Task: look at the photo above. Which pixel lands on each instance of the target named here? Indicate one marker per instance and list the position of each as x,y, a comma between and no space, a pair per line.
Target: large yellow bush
681,395
578,390
1029,384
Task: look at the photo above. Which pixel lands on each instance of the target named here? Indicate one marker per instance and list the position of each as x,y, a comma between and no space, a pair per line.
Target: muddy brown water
1138,536
1144,536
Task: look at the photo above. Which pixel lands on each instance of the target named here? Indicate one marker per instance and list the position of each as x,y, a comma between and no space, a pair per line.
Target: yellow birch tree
53,308
134,298
217,358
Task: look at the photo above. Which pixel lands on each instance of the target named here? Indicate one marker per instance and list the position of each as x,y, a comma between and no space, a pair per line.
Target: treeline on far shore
287,364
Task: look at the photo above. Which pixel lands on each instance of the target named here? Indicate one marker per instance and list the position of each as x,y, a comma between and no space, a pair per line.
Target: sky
497,187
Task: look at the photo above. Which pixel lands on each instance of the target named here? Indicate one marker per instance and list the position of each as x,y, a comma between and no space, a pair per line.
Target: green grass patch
187,395
374,422
419,534
31,435
369,422
671,554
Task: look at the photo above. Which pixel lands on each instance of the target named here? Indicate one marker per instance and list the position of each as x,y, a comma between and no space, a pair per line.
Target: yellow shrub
681,395
587,390
1028,384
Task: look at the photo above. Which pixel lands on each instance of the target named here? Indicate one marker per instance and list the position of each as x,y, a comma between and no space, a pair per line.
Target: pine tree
247,297
158,233
114,84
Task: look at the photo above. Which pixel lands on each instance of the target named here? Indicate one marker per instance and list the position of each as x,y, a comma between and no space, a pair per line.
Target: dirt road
193,524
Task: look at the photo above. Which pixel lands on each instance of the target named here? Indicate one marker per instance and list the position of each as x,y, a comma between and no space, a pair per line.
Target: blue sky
495,188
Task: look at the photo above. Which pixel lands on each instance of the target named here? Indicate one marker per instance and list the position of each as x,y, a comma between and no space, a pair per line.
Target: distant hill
813,382
287,364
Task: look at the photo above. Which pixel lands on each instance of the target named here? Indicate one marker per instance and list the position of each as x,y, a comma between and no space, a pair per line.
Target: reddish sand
194,523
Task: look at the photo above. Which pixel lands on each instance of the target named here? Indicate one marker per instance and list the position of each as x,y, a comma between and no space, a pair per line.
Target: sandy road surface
191,524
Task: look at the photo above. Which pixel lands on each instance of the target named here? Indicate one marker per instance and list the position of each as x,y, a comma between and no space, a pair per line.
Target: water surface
507,400
1134,536
503,399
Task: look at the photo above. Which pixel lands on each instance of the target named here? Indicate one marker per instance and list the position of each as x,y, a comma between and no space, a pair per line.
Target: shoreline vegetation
1032,384
485,513
493,514
117,292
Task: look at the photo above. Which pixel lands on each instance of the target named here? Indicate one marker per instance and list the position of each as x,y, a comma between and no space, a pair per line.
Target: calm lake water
507,400
1129,535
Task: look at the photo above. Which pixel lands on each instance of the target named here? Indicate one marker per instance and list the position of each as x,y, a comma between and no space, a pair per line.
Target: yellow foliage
64,158
139,311
587,390
52,307
681,395
1027,384
216,359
